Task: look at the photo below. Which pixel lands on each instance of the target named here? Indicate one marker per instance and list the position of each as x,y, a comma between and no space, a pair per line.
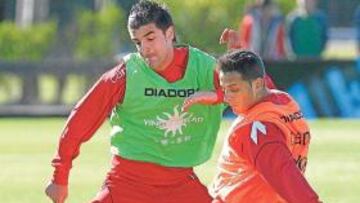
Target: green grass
27,147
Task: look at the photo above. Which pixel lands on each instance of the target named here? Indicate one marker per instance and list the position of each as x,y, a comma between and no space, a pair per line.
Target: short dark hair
245,62
265,3
148,11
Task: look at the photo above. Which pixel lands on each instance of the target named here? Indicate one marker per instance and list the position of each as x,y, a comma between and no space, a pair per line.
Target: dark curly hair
245,62
147,11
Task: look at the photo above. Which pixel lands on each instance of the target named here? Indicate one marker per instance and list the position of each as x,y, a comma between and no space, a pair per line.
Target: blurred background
52,51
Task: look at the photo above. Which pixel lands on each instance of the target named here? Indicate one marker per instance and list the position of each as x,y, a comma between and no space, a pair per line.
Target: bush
286,6
99,32
200,22
30,43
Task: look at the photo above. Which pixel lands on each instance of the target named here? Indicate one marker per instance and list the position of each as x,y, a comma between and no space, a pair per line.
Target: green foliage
98,32
200,22
286,6
30,43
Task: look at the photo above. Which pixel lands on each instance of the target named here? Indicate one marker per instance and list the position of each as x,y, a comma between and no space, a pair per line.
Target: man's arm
231,38
86,117
206,97
277,166
266,149
217,96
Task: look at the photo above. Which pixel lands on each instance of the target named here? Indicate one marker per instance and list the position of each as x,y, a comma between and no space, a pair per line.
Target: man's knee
103,196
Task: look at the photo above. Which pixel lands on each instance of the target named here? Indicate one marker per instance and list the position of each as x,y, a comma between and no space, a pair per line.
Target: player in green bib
149,125
155,144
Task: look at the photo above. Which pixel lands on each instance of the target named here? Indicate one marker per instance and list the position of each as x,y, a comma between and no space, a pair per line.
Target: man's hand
207,98
57,193
231,38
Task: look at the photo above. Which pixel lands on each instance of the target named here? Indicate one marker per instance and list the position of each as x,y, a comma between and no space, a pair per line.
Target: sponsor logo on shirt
300,138
292,117
173,124
301,163
119,73
159,92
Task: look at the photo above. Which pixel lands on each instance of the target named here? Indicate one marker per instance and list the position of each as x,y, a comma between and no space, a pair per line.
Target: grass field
27,146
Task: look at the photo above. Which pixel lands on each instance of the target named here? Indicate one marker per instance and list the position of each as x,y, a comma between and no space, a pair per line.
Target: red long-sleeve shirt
260,157
273,160
91,111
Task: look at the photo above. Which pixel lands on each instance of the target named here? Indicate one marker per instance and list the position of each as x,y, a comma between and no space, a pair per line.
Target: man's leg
122,190
190,191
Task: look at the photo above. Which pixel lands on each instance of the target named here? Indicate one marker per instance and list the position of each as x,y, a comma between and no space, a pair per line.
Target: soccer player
265,152
154,145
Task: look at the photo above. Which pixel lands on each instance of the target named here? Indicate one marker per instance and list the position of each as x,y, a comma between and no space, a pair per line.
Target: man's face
155,46
238,93
308,5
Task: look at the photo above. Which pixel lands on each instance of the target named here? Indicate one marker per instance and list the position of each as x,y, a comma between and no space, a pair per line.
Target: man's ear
258,84
170,33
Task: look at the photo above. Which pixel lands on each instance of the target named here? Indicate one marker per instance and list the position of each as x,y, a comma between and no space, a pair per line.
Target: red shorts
141,182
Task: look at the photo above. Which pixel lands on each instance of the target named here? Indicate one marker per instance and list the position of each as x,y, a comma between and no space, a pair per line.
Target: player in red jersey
265,152
133,180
